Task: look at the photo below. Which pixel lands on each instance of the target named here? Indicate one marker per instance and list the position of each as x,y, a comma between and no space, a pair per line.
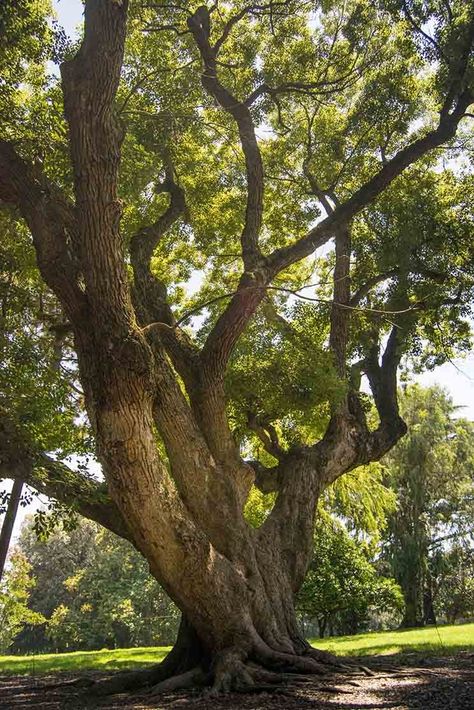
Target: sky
457,377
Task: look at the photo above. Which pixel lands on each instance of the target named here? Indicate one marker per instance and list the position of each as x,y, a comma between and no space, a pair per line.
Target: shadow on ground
432,684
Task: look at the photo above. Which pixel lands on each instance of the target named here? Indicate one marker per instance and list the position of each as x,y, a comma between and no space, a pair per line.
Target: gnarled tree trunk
234,584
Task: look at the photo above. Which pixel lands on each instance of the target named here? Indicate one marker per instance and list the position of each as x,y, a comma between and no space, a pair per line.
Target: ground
425,669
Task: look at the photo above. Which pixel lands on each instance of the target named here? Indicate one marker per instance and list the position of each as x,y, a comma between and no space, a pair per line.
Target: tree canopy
228,215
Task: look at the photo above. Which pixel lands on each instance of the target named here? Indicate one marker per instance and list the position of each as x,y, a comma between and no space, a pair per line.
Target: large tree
432,471
174,101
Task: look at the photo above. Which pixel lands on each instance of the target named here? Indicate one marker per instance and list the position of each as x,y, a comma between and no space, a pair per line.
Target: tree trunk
239,626
9,522
412,615
429,614
258,642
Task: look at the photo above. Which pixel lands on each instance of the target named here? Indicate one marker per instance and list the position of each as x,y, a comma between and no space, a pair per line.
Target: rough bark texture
235,585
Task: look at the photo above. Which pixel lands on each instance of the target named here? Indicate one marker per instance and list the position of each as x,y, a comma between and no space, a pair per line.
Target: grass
446,640
442,640
104,660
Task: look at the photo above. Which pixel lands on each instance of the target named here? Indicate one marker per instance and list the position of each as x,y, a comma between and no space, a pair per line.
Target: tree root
323,657
193,678
262,669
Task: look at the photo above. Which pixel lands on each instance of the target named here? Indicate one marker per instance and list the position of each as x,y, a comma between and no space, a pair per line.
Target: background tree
432,471
342,587
454,580
14,610
94,591
158,169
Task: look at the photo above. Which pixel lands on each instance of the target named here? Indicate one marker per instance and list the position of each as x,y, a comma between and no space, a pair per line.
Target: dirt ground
396,683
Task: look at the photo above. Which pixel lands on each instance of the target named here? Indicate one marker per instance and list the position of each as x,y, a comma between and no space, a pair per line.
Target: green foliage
15,589
27,41
342,586
363,501
95,591
431,470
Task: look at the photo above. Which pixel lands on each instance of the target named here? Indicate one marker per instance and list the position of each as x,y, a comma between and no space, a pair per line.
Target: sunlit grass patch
441,640
444,640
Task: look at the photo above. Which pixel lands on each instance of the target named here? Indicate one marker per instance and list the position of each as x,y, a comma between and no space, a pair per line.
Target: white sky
457,377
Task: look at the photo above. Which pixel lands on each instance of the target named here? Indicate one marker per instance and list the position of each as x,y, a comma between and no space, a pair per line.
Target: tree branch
339,324
90,82
383,384
316,237
199,24
267,434
52,222
365,289
149,292
22,461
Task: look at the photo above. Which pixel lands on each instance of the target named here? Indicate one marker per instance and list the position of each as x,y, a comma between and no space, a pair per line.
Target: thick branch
52,221
20,460
343,213
90,83
199,24
383,384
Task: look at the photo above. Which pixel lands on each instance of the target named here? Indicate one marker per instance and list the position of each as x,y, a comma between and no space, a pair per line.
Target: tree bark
9,522
412,616
183,509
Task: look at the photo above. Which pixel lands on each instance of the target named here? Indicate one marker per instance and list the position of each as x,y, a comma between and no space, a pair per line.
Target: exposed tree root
132,680
193,678
258,669
323,657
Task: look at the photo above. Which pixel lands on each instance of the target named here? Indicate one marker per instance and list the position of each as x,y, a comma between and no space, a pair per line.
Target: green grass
447,640
444,640
106,660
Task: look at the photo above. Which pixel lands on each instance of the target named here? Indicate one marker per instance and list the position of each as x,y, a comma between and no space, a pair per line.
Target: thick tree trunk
264,647
240,626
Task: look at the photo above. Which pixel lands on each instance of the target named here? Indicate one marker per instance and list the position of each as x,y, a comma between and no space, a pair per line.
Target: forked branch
200,25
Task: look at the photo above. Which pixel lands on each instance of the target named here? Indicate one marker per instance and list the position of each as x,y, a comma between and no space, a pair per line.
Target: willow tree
237,140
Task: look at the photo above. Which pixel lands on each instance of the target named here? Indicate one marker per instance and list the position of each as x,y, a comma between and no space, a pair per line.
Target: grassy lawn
446,640
106,660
